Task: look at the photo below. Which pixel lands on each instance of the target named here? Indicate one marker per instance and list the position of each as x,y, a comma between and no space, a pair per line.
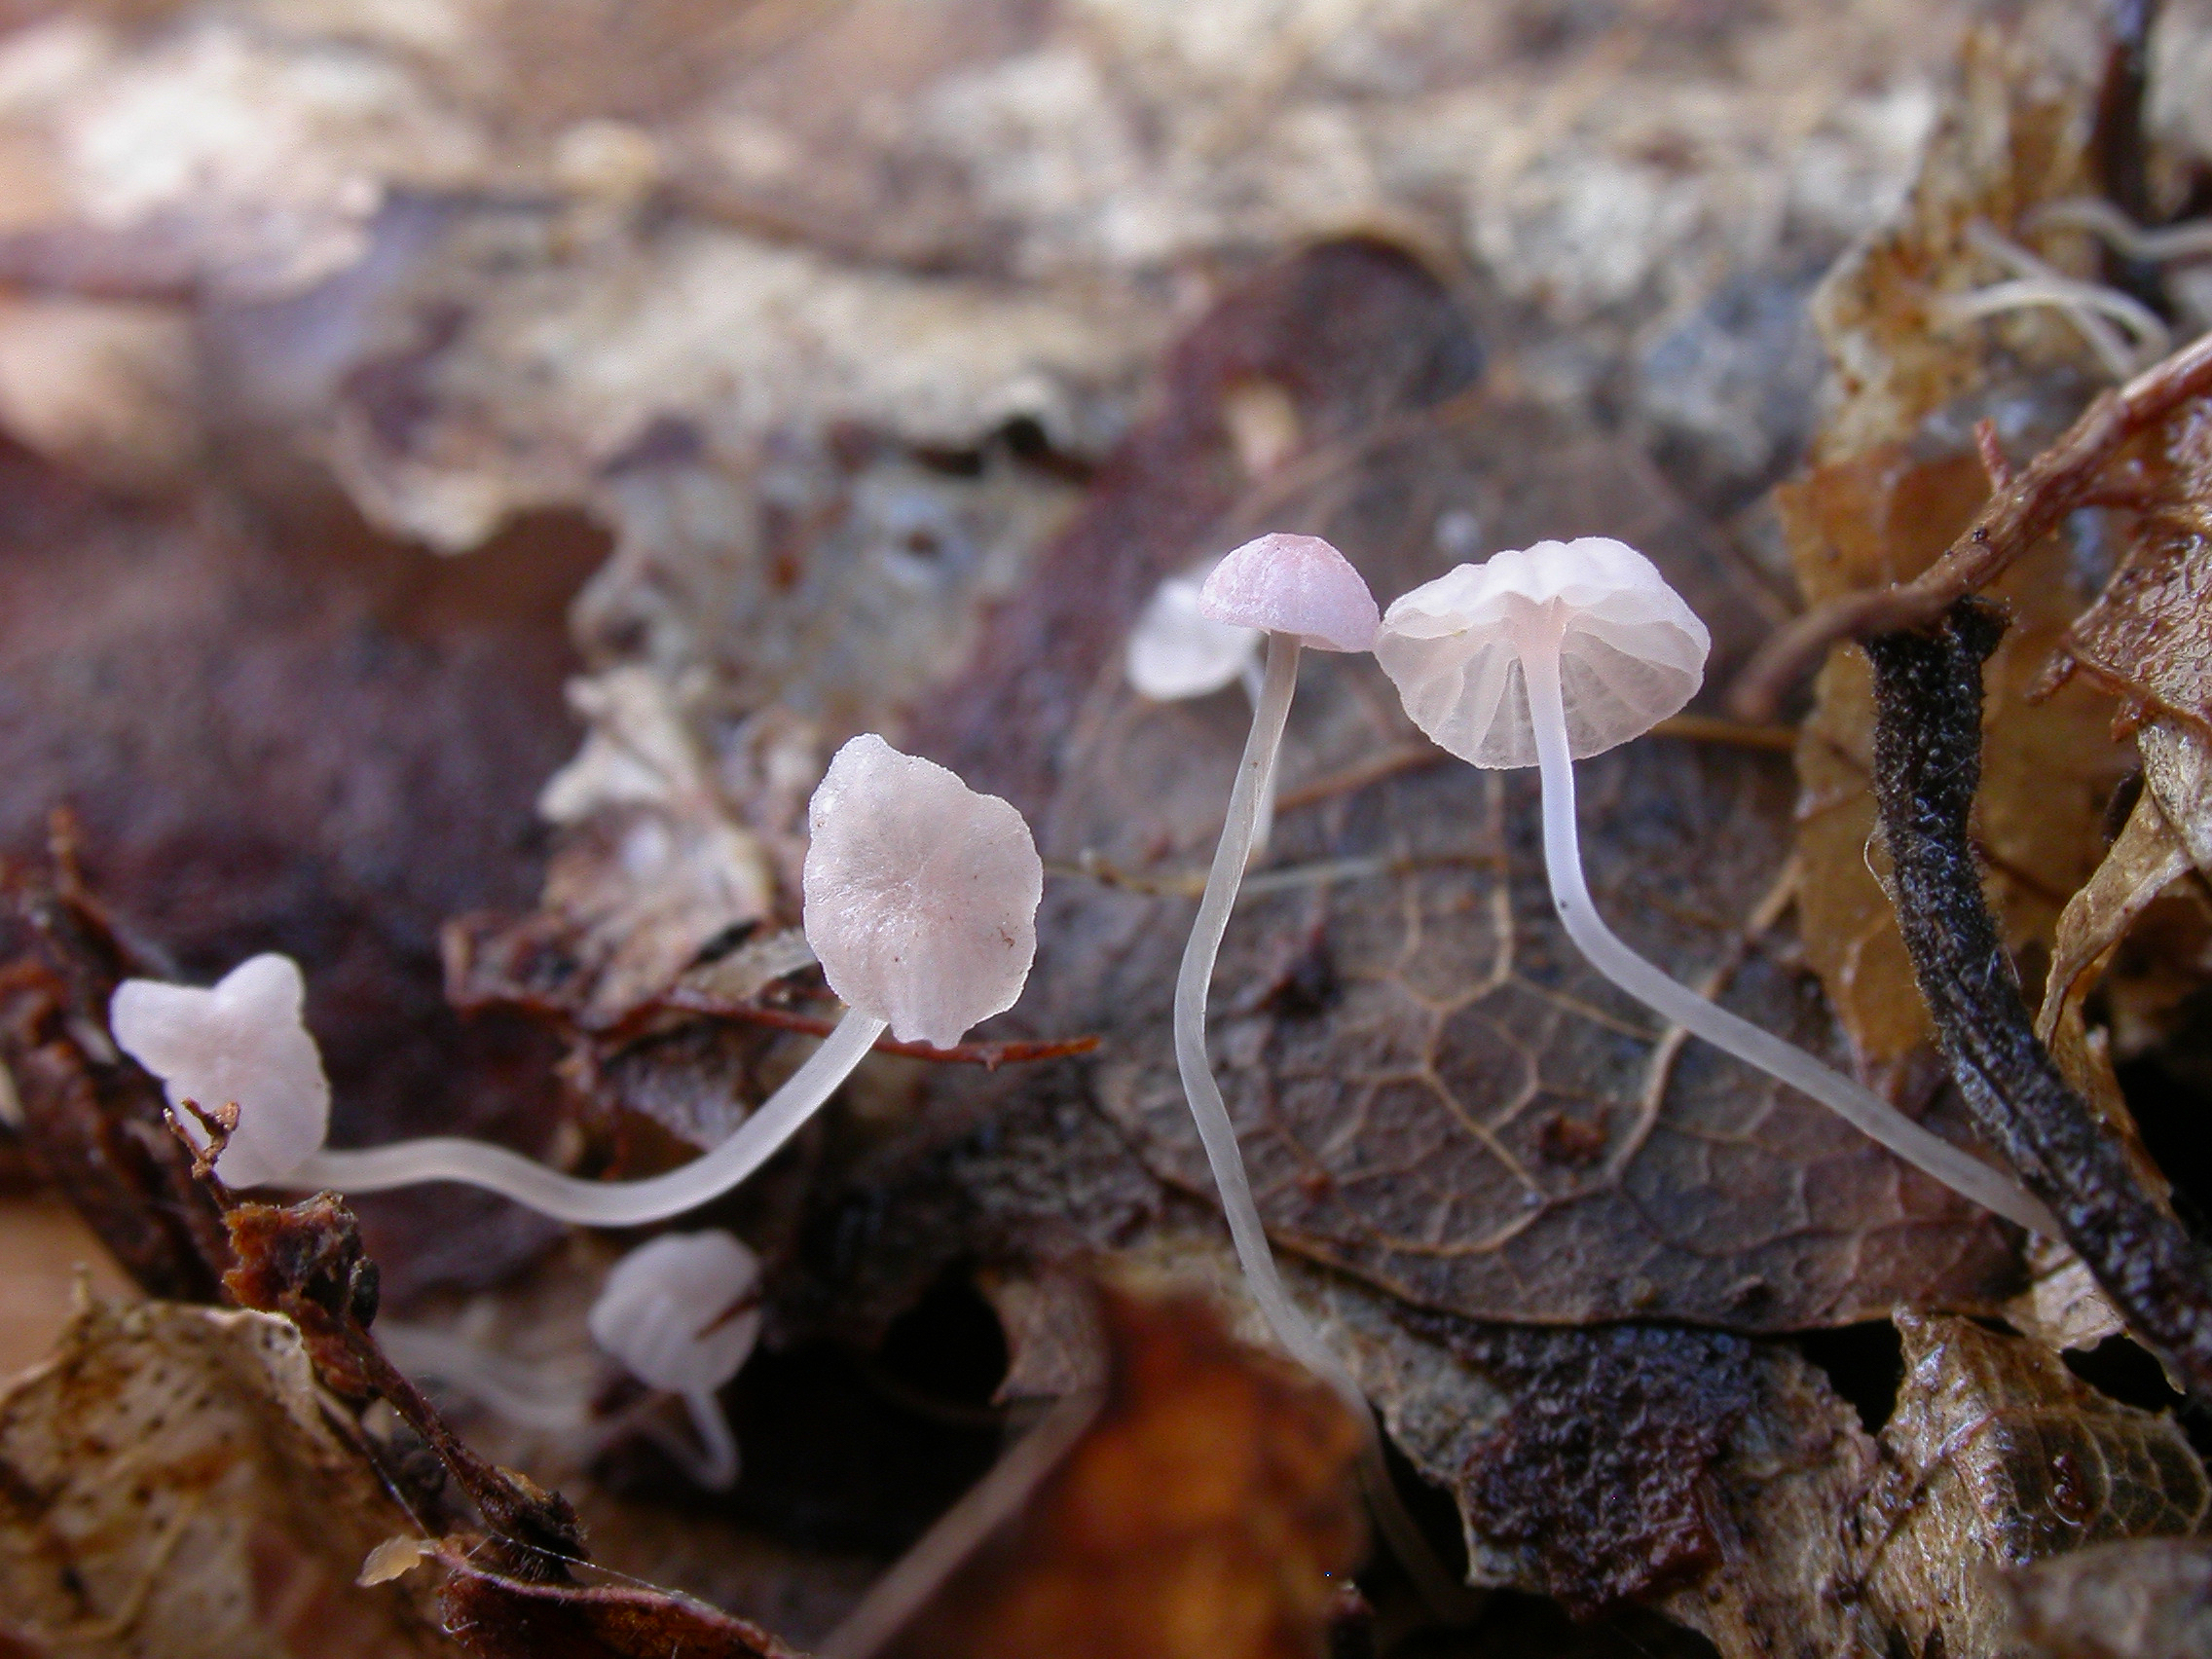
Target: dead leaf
285,734
1997,1457
1202,1511
2146,1599
178,1487
495,1617
1896,477
2050,766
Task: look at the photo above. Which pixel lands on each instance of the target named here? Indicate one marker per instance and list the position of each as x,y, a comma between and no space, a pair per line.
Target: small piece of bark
1927,767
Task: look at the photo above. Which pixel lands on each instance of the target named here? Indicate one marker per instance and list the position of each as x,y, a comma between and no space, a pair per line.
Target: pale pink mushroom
1299,591
920,900
240,1042
1563,652
679,1311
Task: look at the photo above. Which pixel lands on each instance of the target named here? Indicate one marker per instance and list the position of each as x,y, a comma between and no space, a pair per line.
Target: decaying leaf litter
894,421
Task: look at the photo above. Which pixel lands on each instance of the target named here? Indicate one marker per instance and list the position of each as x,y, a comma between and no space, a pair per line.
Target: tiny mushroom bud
241,1042
1175,652
1563,652
921,902
678,1311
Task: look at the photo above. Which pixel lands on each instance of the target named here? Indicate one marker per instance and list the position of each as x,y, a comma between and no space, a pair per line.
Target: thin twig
2052,486
989,1056
1927,767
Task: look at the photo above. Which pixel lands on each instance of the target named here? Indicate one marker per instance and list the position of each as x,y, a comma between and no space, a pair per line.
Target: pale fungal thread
1565,651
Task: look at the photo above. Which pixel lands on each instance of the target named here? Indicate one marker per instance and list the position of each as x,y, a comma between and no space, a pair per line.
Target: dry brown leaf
2148,1599
174,1487
287,734
495,1617
1201,1513
1896,477
1997,1457
2049,767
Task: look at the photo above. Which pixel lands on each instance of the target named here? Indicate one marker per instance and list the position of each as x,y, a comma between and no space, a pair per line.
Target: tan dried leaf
1997,1457
1895,478
178,1487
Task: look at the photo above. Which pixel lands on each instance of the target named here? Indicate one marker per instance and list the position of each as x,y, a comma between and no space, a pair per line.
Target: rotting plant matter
1927,767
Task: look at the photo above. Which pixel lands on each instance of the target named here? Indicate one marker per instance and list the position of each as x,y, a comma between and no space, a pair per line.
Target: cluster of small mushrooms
920,899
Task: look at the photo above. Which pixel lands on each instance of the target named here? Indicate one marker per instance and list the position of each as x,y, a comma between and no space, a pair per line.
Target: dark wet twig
2064,477
1927,767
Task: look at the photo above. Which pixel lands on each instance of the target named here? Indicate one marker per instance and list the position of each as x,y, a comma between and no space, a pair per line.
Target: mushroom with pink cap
920,899
921,894
1563,650
1301,593
679,1313
682,1312
240,1042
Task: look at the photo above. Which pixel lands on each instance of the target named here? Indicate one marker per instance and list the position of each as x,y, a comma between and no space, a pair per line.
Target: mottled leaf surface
1997,1457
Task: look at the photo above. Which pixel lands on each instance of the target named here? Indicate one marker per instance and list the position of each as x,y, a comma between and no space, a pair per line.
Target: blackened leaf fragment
92,1118
1601,1477
306,1262
1927,767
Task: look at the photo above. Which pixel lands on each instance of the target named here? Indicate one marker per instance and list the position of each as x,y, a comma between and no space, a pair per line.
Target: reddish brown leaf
1200,1513
504,1618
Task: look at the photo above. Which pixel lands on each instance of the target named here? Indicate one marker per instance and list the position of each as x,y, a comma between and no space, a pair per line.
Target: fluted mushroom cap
1631,652
1293,585
920,892
240,1041
665,1311
1176,651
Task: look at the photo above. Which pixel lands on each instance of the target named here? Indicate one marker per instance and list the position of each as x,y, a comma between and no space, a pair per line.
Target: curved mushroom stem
509,1389
712,1463
1860,1107
1255,785
606,1203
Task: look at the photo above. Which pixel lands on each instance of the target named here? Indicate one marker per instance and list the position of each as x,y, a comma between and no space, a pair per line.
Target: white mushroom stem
1858,1106
1248,800
516,1395
606,1203
712,1463
507,1389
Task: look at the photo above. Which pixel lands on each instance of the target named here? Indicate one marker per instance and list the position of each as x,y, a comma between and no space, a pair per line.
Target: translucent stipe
1255,783
606,1203
1860,1107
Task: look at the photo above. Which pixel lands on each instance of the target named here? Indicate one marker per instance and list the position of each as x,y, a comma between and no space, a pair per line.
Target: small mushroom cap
1176,651
920,894
1293,585
665,1311
242,1041
1631,652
